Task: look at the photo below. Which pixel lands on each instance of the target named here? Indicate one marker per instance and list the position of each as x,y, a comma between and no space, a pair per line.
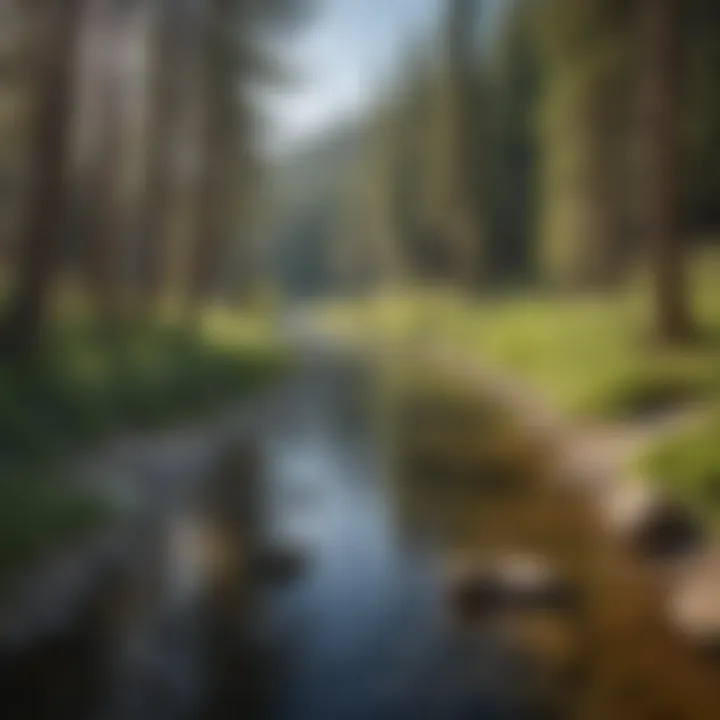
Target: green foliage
512,151
88,384
689,467
39,510
587,354
523,157
585,113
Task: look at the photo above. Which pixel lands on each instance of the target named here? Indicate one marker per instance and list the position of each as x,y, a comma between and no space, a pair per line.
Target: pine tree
51,142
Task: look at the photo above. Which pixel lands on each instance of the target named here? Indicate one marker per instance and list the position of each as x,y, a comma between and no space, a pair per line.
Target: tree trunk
661,23
169,72
468,222
106,256
47,203
217,153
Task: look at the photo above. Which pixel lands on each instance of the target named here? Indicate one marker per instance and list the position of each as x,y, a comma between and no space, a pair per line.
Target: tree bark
217,153
468,220
169,70
106,251
48,193
661,26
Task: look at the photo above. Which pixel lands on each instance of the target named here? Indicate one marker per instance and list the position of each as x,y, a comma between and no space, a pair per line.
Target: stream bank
669,537
355,616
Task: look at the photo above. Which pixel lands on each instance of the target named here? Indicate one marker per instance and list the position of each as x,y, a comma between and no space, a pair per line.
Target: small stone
655,526
473,590
519,583
531,583
279,564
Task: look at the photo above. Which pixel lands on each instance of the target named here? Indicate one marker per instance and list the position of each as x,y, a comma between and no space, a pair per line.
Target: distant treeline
572,142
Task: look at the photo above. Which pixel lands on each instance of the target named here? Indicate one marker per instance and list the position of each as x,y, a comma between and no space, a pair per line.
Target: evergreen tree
585,120
54,76
662,45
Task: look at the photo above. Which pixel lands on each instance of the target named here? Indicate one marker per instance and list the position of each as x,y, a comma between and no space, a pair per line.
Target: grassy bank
589,355
89,385
688,467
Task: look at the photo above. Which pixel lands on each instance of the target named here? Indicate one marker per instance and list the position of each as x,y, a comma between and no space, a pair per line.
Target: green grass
40,510
688,467
591,356
88,385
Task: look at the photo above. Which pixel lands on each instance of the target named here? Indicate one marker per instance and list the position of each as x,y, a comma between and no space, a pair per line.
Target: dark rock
279,564
474,593
531,583
514,583
654,526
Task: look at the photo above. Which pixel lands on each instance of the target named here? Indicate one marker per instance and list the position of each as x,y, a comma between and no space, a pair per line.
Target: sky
341,57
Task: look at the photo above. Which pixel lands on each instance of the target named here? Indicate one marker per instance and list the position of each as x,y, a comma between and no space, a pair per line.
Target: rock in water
510,583
473,590
532,583
653,525
279,564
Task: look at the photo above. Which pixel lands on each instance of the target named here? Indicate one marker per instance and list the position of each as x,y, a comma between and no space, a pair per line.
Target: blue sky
343,55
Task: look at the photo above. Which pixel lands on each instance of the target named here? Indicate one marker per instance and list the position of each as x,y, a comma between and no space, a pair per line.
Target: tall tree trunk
106,256
217,152
466,129
47,203
661,25
169,70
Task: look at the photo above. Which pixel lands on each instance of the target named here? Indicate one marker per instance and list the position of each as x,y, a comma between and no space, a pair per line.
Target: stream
351,619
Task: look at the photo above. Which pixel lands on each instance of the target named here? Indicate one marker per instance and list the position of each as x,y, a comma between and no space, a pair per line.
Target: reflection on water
329,589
